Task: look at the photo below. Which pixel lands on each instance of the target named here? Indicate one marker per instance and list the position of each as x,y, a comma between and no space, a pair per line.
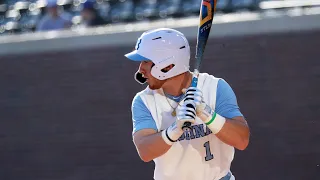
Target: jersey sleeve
226,101
141,116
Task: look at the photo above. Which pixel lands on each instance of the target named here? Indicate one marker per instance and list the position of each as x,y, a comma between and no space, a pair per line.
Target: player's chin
153,86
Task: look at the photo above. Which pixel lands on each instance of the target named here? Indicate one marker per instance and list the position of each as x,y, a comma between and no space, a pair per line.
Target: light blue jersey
226,106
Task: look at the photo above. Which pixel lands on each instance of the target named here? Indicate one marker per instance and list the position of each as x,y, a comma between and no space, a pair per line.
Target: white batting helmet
163,46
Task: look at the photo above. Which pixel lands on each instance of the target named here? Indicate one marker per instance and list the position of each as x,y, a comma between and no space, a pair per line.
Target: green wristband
212,119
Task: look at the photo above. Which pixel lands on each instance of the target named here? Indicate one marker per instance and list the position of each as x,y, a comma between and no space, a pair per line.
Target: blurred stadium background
19,16
65,95
22,16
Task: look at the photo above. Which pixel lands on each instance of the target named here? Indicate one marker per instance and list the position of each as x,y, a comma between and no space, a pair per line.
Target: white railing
288,4
125,35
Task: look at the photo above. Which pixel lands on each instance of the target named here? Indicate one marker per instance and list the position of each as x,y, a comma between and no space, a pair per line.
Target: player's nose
142,69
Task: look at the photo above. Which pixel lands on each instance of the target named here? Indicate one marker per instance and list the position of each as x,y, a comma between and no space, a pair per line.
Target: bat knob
186,126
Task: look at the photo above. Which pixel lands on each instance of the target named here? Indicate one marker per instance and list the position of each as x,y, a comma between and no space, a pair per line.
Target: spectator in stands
90,15
53,19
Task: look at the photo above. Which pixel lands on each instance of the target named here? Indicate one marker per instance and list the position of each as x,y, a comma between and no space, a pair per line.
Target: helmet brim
134,56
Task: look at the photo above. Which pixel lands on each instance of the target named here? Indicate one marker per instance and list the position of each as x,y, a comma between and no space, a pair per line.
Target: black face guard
138,77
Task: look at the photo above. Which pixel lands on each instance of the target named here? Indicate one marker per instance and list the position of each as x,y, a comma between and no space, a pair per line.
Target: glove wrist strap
169,135
215,123
166,137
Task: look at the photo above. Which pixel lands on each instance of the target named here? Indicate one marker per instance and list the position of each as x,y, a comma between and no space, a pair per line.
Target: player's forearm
151,146
235,132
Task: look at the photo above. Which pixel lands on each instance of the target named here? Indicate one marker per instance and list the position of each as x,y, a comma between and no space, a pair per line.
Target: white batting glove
213,120
185,113
204,112
193,94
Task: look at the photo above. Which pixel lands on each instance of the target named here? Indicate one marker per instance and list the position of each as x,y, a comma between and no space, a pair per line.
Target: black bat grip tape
186,125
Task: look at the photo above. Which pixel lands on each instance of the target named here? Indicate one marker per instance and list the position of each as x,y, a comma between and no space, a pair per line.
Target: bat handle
194,83
186,126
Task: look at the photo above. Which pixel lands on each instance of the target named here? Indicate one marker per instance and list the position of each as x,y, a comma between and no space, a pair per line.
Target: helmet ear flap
139,78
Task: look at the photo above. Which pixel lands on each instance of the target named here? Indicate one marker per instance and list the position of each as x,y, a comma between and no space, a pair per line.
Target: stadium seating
19,16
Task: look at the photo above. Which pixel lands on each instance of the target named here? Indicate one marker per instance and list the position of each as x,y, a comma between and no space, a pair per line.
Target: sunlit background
21,16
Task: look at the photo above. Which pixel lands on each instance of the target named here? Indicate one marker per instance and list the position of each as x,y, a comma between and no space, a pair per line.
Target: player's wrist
215,123
204,112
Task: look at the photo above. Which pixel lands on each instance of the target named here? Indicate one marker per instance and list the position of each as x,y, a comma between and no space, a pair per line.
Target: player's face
145,69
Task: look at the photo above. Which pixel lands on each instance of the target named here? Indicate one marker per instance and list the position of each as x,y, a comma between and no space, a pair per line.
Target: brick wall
66,115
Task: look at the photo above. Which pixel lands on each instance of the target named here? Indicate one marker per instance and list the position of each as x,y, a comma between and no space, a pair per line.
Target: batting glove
193,94
185,113
213,120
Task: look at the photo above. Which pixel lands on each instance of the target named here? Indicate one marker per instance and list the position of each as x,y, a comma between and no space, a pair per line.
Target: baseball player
204,151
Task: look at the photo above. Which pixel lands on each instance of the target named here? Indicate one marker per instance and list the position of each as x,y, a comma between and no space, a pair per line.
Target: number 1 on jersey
209,156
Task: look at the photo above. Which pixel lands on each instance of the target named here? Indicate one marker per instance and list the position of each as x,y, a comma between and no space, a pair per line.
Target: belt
226,177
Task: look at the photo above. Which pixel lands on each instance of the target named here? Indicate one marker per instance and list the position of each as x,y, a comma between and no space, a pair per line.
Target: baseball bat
207,10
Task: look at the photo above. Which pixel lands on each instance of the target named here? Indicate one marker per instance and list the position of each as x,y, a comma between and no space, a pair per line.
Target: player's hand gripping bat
207,10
